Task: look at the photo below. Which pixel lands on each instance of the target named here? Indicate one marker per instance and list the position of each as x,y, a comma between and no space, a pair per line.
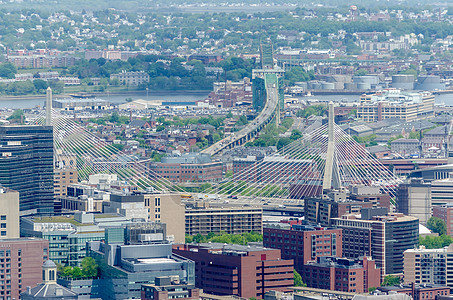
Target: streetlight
147,89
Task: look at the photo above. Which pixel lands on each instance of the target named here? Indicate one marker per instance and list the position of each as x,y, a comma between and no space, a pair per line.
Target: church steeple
49,272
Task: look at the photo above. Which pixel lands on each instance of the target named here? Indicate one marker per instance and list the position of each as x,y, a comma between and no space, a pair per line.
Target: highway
250,130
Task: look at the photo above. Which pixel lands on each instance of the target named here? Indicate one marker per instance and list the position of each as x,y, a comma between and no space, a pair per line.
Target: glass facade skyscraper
26,166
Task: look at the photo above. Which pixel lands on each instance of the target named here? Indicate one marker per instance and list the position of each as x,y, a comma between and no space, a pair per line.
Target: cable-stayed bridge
325,158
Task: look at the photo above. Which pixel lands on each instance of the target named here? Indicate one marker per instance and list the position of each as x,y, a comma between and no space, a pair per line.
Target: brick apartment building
245,271
303,243
342,274
419,292
445,213
21,265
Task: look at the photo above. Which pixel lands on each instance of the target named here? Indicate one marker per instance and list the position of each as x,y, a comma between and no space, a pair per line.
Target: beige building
9,214
62,179
429,266
167,208
393,103
231,220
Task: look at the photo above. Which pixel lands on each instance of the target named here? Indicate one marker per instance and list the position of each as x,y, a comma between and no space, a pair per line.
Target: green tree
16,115
7,70
391,280
76,273
89,267
298,279
437,225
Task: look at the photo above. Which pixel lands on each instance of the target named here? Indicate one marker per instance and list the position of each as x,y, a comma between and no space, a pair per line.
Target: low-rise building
231,220
68,235
131,78
124,268
418,292
303,243
169,288
342,274
393,103
445,213
427,266
405,147
245,271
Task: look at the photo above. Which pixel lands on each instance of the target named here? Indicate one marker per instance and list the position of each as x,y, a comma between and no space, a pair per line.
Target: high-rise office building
26,166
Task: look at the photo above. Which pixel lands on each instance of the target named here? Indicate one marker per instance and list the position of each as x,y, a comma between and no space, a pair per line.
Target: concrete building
414,199
169,288
427,266
189,167
129,205
342,274
68,235
393,103
303,243
384,238
131,78
21,261
26,166
245,271
124,268
231,220
167,208
62,179
9,214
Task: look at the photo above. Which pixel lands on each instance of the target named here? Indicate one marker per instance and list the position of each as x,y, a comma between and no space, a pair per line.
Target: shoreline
140,92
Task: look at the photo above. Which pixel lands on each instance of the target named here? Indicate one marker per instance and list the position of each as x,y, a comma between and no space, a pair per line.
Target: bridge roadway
253,127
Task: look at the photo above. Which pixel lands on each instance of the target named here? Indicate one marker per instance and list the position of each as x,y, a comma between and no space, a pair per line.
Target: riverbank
107,94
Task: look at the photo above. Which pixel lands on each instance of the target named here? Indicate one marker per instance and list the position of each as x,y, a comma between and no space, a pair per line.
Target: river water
30,102
24,102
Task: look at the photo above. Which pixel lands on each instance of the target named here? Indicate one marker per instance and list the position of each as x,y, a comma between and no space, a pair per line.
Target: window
3,233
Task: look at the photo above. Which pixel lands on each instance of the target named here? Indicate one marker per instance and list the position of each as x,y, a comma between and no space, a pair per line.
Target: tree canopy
437,225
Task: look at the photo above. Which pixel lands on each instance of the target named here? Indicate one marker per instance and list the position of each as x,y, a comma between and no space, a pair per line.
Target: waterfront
33,101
